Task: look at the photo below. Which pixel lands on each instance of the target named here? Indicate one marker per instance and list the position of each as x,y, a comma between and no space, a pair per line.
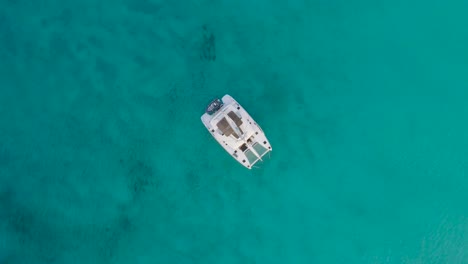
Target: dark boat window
243,147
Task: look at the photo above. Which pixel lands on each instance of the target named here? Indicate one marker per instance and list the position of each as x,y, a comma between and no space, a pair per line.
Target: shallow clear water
103,158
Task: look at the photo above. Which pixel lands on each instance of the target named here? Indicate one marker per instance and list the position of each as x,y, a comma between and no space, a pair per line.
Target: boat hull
251,146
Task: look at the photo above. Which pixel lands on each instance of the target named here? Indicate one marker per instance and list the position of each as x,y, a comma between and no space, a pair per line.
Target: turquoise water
103,158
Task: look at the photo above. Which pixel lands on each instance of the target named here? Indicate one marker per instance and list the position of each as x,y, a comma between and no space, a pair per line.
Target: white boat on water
236,131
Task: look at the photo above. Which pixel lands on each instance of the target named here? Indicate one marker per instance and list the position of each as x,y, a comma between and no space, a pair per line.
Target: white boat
236,131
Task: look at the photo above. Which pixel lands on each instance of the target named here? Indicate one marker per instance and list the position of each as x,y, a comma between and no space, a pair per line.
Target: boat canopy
225,127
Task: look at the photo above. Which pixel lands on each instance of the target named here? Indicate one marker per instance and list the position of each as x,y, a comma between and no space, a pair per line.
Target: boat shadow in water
208,45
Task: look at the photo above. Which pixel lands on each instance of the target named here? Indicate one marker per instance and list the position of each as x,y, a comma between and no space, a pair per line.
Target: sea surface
103,158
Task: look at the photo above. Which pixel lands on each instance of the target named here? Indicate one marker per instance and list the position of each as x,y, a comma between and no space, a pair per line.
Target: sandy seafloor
103,158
